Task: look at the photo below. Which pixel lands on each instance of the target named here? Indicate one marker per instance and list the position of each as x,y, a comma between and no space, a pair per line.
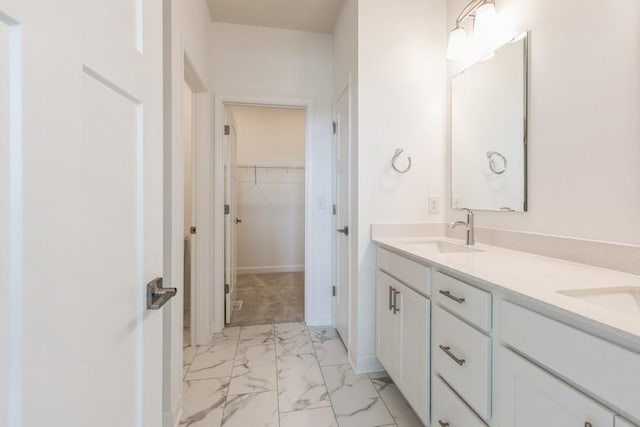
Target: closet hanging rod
268,167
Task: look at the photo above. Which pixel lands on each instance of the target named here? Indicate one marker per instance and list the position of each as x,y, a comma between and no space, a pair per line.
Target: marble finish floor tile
399,408
215,361
355,400
254,370
203,402
271,375
300,383
331,351
251,410
292,339
321,333
320,417
269,298
256,335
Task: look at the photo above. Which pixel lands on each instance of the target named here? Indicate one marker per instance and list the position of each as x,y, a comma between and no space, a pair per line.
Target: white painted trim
220,101
271,269
322,319
367,364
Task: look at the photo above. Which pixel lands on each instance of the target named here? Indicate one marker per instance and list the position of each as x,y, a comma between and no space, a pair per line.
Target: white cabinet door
415,333
82,137
388,337
623,423
531,397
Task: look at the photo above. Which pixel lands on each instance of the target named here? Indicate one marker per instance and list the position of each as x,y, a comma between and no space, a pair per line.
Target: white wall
280,65
401,104
188,22
270,201
584,91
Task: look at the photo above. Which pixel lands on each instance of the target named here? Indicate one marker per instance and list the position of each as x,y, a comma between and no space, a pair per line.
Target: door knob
238,221
344,230
157,296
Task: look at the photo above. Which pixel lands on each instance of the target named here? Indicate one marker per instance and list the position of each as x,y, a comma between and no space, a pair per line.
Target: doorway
265,214
189,231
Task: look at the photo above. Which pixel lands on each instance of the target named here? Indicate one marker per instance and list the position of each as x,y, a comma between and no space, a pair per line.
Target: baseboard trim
172,419
271,269
322,319
367,365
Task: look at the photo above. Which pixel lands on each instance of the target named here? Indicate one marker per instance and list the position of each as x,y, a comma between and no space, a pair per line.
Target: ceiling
317,16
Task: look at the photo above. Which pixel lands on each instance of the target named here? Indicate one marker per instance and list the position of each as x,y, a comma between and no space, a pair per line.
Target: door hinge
227,209
334,209
192,230
227,130
226,288
335,127
333,291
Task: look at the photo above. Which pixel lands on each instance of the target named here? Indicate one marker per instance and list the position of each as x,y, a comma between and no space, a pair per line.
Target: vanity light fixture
484,14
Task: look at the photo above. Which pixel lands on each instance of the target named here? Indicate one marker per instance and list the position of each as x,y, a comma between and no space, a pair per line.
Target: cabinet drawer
605,369
416,276
530,396
462,356
469,302
449,410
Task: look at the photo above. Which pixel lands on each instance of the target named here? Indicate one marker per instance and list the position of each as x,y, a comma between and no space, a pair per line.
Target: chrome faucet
469,225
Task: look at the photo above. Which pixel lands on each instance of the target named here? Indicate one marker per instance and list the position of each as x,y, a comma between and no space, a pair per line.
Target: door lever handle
157,296
238,221
344,230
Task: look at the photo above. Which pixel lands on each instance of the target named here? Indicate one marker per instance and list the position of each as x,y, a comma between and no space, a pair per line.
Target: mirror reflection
488,134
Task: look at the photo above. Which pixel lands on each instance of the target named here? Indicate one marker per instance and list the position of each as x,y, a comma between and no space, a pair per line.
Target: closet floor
269,298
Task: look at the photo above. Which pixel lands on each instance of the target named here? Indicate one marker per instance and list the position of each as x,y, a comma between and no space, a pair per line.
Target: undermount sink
622,299
438,246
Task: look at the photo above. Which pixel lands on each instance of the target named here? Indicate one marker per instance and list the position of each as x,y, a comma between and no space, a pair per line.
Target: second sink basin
622,299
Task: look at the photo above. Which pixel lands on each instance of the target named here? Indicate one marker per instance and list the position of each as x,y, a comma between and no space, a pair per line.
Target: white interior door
231,218
342,217
85,212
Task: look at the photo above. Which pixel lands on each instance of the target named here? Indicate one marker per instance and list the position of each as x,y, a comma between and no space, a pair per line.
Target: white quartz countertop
537,277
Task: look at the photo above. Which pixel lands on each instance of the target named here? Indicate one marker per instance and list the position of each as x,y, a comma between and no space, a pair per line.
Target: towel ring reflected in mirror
395,158
498,170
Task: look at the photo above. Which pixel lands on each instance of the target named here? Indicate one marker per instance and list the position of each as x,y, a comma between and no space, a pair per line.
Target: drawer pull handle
443,424
456,359
390,298
456,299
588,424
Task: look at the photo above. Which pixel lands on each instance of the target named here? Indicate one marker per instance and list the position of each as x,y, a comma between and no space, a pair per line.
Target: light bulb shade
457,44
486,22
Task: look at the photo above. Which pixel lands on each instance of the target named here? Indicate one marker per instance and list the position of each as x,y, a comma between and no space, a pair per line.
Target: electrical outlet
434,204
457,202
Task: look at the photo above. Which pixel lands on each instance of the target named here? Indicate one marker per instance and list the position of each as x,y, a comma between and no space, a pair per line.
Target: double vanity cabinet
466,353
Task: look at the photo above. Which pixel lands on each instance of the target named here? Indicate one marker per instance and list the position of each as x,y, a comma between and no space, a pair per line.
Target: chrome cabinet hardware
443,424
390,298
157,296
456,359
395,301
448,295
344,230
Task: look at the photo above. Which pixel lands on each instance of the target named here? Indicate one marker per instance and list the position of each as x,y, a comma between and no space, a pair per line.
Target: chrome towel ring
491,155
395,157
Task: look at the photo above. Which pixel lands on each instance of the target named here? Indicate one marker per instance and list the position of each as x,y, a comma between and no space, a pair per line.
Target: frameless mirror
488,132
